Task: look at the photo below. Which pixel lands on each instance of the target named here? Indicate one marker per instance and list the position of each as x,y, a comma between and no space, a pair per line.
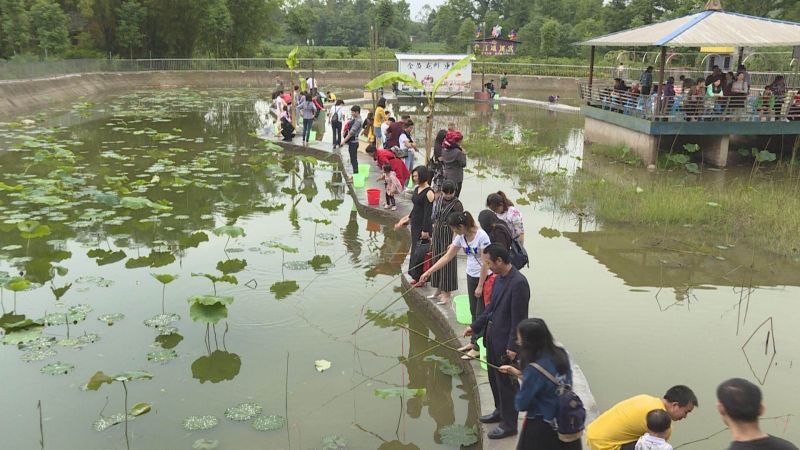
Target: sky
416,5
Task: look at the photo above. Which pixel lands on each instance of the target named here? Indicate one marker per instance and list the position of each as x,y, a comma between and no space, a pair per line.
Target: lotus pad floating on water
193,423
459,435
268,423
161,320
105,423
38,355
205,444
57,368
243,412
297,265
162,356
109,319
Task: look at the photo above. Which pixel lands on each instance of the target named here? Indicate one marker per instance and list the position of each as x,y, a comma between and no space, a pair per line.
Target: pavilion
642,122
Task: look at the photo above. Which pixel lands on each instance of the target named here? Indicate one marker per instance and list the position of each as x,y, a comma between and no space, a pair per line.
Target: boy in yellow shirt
621,426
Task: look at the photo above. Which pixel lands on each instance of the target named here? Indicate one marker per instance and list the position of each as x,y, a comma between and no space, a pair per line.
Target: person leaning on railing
739,89
794,108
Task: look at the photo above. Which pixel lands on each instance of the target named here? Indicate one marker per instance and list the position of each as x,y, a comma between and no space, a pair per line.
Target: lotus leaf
164,278
549,232
210,300
268,423
399,392
445,366
208,314
230,231
89,338
162,356
6,187
205,444
216,367
136,203
39,343
139,409
243,412
13,322
333,443
385,319
38,355
169,340
60,292
18,284
104,423
57,368
193,240
30,229
193,423
327,236
161,320
297,265
459,435
321,262
132,376
231,266
331,205
283,289
397,445
22,336
322,365
109,319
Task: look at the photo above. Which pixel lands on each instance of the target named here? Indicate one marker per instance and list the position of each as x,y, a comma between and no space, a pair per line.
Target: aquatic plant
99,379
17,284
459,435
164,279
399,392
230,231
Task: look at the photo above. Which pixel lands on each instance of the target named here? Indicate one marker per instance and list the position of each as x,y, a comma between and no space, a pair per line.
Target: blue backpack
570,418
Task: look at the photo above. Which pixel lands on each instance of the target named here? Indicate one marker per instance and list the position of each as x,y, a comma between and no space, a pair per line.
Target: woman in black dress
446,280
419,219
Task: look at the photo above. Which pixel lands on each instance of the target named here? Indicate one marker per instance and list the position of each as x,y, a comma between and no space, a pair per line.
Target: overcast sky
416,5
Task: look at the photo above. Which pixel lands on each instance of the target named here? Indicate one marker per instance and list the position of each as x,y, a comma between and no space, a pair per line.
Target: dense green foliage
248,28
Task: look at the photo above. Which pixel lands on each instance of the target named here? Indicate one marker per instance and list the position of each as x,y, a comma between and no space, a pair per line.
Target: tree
252,22
384,14
466,32
49,24
217,25
552,38
531,37
129,26
16,25
300,20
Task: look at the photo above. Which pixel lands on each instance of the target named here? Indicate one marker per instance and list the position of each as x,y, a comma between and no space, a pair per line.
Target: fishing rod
393,301
442,344
438,344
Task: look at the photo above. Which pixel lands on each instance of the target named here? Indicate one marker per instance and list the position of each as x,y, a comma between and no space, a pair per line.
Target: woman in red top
383,157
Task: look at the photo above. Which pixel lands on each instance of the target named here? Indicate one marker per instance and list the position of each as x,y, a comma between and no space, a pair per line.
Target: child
766,104
392,186
658,424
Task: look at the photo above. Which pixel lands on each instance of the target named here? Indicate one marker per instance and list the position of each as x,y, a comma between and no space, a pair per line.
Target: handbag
417,261
519,256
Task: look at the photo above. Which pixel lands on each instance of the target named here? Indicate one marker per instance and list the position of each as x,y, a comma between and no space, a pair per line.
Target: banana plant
397,77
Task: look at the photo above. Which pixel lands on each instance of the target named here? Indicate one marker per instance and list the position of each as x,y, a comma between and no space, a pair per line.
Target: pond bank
24,96
443,317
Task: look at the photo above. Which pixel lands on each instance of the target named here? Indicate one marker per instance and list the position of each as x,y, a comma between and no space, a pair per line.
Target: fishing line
442,344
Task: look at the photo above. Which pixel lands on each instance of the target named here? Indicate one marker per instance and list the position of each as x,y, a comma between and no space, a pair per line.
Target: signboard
494,46
427,69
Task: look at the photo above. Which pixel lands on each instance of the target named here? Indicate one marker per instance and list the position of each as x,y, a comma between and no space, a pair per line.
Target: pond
638,312
266,247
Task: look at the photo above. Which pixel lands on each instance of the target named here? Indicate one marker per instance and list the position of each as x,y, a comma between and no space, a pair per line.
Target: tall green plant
397,77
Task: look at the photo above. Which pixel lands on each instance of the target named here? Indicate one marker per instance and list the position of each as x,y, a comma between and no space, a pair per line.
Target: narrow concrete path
442,314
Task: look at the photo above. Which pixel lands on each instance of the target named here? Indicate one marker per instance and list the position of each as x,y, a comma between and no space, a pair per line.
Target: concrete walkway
443,315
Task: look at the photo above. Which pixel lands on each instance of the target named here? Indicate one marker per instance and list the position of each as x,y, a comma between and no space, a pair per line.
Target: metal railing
45,69
694,106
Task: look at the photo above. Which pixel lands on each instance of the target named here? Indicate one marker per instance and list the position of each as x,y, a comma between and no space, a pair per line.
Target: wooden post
591,74
660,94
739,61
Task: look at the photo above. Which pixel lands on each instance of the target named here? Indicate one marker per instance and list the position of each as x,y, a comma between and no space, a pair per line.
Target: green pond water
637,315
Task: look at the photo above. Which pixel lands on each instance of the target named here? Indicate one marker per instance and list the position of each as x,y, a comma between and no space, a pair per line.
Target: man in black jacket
510,296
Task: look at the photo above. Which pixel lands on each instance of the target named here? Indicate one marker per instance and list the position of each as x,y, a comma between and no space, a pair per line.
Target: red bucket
373,196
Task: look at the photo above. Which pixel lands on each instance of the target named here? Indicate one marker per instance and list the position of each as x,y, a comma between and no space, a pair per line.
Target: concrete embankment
19,97
442,317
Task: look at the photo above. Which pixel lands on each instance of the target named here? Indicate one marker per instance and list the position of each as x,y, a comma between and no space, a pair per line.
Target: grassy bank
762,208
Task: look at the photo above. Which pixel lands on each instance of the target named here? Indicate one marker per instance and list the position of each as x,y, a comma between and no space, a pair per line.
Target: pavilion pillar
591,73
660,94
741,58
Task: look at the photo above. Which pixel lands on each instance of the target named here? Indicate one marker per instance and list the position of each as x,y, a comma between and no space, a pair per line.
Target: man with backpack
336,117
621,426
509,306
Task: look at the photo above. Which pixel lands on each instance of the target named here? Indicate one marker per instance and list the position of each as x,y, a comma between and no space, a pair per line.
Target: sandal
465,348
394,208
